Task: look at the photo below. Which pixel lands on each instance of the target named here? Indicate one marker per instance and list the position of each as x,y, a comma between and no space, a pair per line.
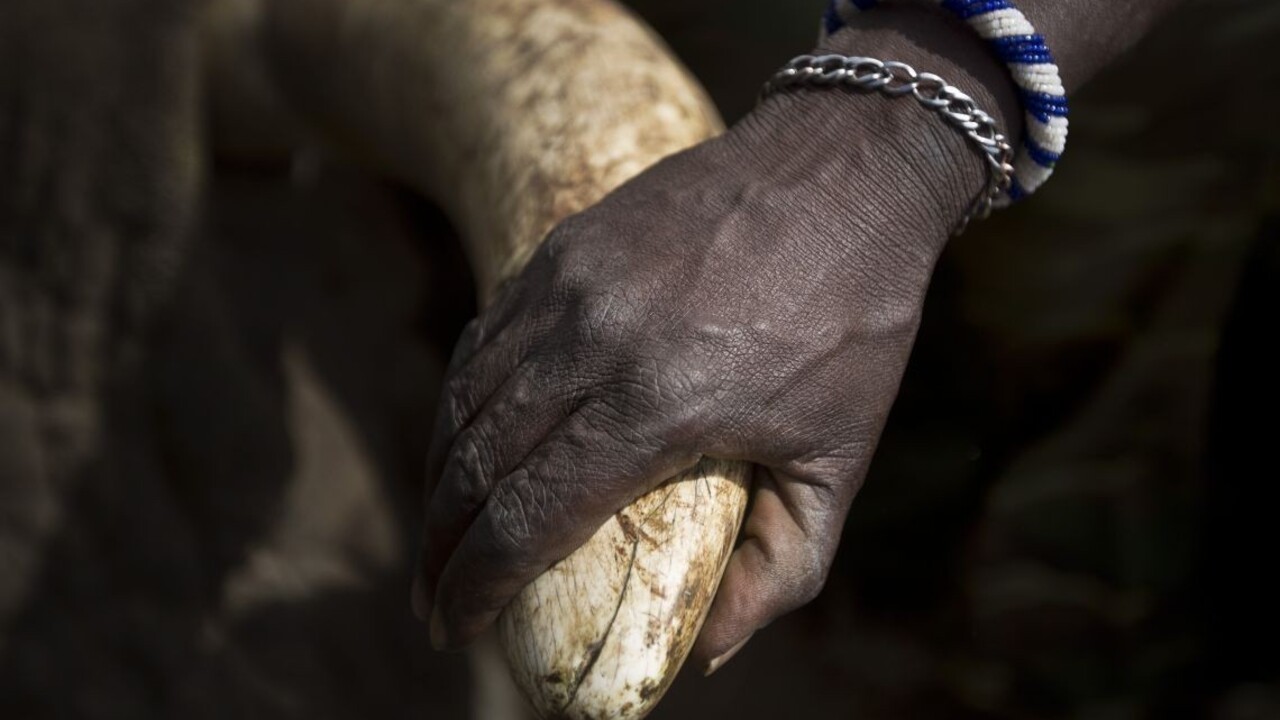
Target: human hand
754,298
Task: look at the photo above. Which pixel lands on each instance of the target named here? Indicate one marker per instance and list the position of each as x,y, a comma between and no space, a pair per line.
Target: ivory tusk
514,114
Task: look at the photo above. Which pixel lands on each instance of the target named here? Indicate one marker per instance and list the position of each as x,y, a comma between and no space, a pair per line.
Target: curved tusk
514,114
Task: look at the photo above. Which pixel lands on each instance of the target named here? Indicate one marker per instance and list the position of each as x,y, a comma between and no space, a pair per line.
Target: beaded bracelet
1024,51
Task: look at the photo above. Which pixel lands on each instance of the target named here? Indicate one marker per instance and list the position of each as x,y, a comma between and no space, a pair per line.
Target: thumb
789,540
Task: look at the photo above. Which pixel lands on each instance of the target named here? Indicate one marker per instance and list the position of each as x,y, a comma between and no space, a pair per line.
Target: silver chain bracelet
896,79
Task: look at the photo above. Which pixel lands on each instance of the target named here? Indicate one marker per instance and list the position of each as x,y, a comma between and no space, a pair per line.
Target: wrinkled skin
753,298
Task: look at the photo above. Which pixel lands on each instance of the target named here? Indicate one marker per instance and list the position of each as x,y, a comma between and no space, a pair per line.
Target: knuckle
529,514
601,318
573,273
605,326
456,400
474,460
512,519
521,391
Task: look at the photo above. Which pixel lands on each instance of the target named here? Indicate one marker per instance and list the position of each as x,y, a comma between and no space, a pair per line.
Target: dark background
216,370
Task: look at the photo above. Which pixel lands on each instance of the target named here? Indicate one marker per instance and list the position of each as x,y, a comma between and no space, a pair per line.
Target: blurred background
217,367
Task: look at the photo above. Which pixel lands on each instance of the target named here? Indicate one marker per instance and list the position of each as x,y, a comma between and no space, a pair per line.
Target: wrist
933,40
912,157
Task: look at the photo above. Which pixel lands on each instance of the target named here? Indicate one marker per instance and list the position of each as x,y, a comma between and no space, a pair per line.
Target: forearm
1086,35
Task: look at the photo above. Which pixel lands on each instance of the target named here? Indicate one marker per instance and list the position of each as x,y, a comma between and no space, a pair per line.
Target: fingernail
719,661
438,636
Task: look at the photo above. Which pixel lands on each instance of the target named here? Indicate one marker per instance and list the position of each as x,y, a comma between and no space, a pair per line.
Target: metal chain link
897,79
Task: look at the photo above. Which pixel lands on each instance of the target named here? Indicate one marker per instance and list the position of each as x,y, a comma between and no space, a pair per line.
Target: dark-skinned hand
753,298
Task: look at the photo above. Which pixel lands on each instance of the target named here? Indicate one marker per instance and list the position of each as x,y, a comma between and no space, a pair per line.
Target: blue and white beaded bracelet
1007,32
